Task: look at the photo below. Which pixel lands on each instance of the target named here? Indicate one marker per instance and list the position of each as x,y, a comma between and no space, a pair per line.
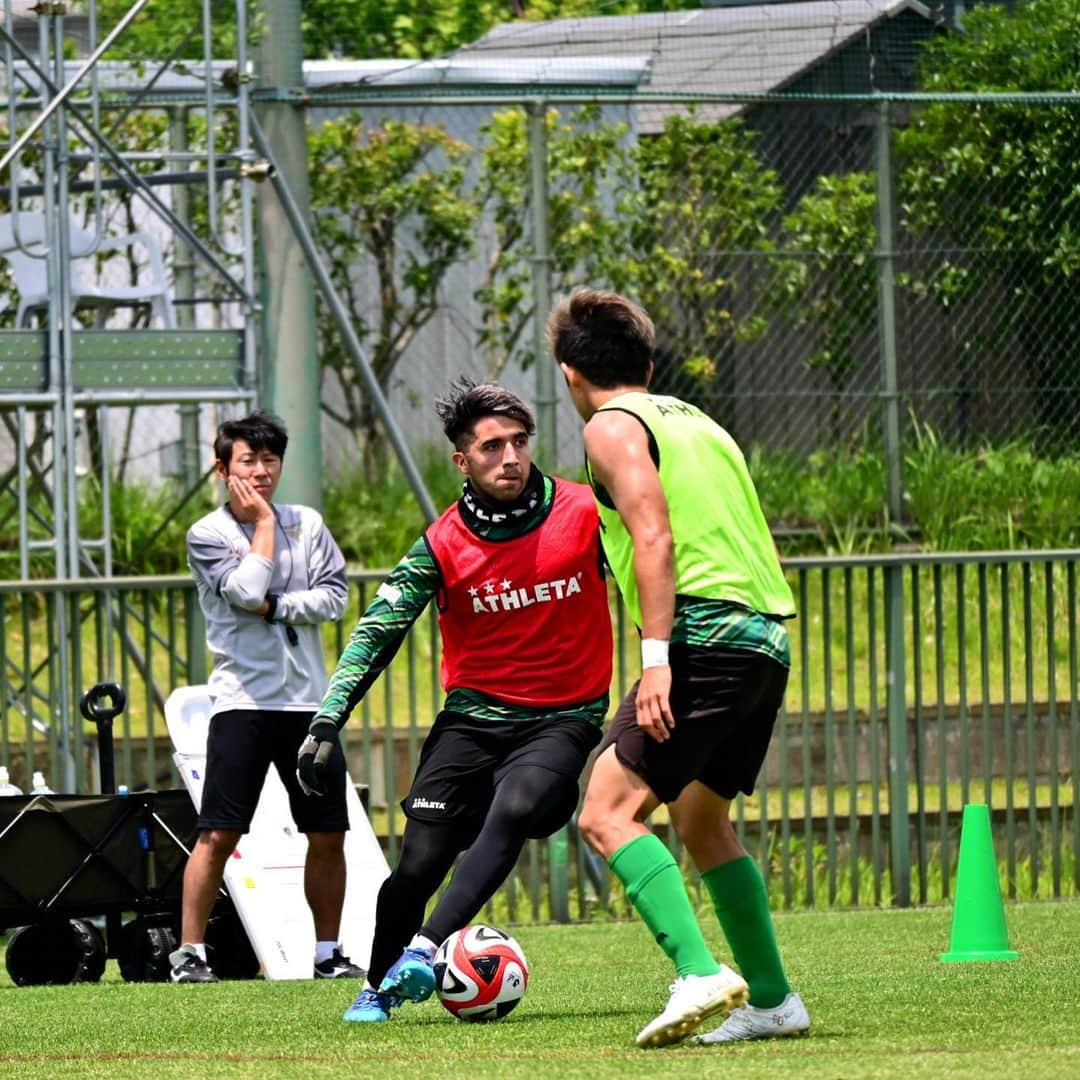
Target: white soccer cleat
694,998
788,1018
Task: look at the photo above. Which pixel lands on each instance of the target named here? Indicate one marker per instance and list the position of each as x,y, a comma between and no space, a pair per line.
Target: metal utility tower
127,234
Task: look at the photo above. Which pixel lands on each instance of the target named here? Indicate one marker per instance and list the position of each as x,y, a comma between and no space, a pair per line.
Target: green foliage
995,498
1024,49
375,524
1000,184
992,498
655,218
391,28
585,159
833,496
9,305
778,479
406,29
159,30
397,27
700,193
395,196
827,277
149,524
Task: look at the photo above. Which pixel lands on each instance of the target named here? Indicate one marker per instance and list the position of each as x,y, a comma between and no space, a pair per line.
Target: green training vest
723,548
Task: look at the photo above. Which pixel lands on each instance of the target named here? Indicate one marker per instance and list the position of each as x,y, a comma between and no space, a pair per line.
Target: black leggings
529,802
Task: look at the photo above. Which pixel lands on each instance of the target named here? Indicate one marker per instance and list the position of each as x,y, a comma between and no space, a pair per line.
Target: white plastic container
6,786
39,786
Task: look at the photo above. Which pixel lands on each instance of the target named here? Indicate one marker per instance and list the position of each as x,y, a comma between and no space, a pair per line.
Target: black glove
314,754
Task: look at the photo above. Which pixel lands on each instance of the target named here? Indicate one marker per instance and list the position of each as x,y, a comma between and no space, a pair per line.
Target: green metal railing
919,683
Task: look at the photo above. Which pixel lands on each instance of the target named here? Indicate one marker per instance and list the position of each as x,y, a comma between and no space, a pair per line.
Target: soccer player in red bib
515,567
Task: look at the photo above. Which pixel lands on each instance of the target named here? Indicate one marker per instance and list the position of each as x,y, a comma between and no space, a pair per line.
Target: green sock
742,906
655,887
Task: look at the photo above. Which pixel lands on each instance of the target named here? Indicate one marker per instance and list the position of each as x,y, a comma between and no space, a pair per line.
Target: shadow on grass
529,1017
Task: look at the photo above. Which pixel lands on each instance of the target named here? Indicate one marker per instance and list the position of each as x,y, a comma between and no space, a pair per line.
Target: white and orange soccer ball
480,973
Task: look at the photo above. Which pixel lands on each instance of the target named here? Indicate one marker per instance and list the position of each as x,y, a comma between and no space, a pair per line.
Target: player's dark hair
467,402
261,431
606,337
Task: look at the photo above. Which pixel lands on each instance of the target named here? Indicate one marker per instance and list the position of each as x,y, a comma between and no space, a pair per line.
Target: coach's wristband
654,652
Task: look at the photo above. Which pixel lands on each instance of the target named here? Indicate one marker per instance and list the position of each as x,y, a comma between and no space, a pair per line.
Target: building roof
465,69
472,72
747,49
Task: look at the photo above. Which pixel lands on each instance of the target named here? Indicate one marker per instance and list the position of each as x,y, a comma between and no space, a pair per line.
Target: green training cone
978,927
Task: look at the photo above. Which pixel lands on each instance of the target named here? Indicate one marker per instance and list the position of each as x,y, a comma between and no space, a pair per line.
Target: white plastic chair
24,255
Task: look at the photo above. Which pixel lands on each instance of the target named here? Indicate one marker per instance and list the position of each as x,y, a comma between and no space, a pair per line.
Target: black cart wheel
57,952
144,950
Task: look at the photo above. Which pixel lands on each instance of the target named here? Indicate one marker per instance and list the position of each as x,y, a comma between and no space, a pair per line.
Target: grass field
882,1006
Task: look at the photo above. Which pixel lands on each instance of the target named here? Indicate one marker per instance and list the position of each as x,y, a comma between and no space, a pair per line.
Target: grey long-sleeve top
255,664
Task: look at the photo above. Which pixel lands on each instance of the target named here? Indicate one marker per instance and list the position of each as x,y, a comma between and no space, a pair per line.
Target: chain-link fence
835,250
837,253
760,243
796,257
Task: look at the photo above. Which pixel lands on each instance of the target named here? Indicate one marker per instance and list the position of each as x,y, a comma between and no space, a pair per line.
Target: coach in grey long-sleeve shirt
267,576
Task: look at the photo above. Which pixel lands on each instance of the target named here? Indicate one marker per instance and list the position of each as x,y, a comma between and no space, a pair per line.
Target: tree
159,30
587,161
665,220
1000,185
394,198
701,200
830,286
403,28
390,28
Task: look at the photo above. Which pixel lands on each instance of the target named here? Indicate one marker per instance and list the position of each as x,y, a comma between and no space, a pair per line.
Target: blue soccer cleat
411,978
370,1007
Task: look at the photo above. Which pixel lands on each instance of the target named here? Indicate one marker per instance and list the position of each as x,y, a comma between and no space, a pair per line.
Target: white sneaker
788,1018
693,999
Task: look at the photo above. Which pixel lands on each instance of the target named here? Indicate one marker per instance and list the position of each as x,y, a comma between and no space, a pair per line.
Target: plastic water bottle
39,787
6,786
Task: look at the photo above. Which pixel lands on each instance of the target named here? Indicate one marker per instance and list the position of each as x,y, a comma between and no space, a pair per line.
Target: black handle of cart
101,704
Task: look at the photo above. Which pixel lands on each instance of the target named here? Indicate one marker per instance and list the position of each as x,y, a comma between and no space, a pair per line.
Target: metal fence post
184,279
195,637
546,431
184,285
290,375
547,437
895,691
896,711
886,287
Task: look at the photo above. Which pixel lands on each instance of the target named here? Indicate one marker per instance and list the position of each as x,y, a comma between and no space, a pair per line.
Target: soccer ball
480,973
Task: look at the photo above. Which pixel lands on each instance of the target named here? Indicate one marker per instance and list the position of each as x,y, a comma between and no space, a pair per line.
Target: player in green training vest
692,555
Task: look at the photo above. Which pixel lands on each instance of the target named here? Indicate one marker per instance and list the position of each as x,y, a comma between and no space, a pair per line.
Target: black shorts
463,759
725,703
239,749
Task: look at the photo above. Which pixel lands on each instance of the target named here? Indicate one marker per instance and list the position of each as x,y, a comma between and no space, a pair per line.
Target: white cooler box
265,876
